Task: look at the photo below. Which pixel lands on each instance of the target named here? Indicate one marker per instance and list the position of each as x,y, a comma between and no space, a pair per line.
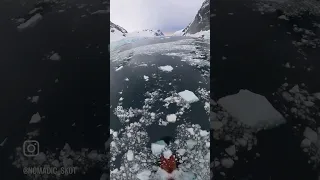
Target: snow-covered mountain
117,32
146,33
201,21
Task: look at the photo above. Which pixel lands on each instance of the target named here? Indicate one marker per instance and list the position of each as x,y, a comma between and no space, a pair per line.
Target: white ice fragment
55,57
35,99
181,151
305,143
295,89
121,98
171,118
167,154
310,134
191,143
126,79
104,176
227,162
284,17
119,68
157,147
130,155
166,68
146,78
40,158
144,175
31,22
188,96
36,118
3,142
231,150
287,65
252,109
190,130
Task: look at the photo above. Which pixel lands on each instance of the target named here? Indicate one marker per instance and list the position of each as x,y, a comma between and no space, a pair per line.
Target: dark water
187,78
255,55
80,97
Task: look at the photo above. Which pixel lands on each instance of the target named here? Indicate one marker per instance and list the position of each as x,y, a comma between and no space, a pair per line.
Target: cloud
166,15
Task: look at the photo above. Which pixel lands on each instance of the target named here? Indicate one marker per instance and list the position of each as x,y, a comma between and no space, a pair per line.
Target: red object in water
168,165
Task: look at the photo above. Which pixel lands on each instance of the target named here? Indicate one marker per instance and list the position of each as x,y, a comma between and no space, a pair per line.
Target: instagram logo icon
30,148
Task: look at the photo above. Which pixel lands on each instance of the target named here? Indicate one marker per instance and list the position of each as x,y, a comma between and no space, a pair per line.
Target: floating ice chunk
121,98
166,68
144,175
191,143
188,96
227,162
171,118
3,142
310,134
190,130
284,17
119,68
231,150
130,155
305,143
35,118
40,158
181,151
146,78
157,147
216,125
101,12
35,99
126,79
104,176
167,154
31,22
55,57
252,109
203,133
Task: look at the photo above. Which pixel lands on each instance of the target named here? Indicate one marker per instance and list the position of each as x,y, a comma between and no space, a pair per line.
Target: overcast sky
166,15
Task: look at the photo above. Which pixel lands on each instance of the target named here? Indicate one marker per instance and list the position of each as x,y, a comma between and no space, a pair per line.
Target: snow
167,154
204,34
31,22
55,57
251,109
166,68
144,175
171,118
188,96
310,134
157,147
36,118
178,33
130,155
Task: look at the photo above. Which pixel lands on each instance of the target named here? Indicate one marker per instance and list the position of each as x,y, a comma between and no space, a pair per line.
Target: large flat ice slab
188,96
251,109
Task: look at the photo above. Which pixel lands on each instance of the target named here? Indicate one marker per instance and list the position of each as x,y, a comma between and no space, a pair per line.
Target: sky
167,15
